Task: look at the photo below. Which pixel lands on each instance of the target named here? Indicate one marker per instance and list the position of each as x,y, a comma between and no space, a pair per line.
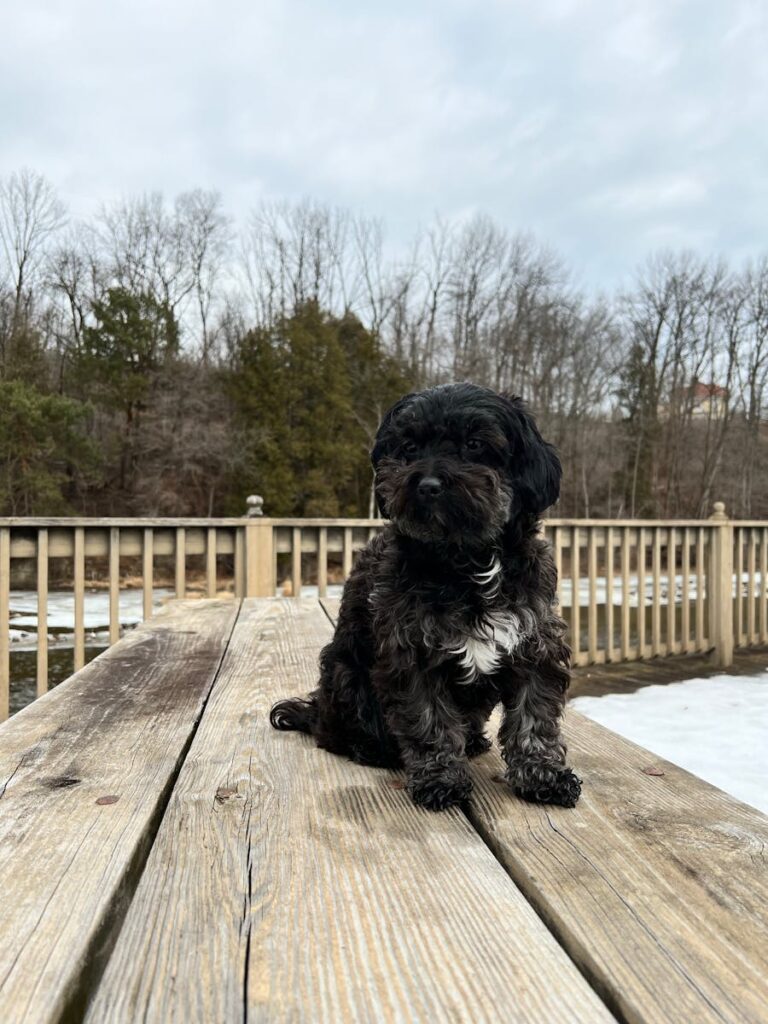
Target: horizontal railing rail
629,589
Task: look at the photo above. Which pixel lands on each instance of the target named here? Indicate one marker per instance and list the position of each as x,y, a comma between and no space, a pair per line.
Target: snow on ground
716,728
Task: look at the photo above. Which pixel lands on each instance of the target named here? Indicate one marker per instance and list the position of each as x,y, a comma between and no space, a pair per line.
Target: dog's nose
429,487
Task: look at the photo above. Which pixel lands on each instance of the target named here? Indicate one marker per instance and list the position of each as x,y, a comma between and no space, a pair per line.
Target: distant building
708,401
705,401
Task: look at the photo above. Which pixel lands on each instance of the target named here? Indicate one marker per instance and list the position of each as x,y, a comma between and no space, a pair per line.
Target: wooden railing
629,589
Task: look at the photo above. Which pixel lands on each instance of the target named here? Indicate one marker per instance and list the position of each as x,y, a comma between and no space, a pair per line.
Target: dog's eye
473,445
408,448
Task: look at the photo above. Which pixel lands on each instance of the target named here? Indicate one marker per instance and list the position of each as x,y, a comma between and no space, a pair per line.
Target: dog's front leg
530,737
430,732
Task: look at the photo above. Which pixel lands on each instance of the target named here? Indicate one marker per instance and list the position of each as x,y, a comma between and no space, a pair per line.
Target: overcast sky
610,128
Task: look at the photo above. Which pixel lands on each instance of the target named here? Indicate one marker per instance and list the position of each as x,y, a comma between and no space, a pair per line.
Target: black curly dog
450,610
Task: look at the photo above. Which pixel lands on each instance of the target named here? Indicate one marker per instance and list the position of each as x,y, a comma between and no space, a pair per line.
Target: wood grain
118,728
655,884
288,884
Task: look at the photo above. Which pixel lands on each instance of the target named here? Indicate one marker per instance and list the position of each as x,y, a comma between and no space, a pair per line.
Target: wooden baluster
592,577
737,563
42,611
322,561
575,605
347,552
671,589
763,591
79,587
5,622
210,562
181,563
148,572
641,591
609,649
751,559
239,562
656,606
557,541
702,641
114,584
626,610
296,561
686,592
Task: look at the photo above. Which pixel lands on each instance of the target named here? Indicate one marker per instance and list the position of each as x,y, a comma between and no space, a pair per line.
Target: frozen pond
61,615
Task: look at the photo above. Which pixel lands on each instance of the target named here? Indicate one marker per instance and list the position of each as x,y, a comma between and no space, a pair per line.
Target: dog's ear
534,464
383,439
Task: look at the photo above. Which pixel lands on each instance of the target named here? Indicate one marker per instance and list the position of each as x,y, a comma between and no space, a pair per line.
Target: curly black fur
450,610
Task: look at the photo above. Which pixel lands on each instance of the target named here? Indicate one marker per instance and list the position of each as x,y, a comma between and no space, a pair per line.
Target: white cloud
600,126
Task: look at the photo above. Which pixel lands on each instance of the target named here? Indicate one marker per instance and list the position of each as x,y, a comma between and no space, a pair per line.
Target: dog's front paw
477,744
437,787
543,784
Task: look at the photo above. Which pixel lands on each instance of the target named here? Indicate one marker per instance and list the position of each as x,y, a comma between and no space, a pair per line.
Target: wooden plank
79,596
655,884
119,728
5,618
289,884
61,540
42,612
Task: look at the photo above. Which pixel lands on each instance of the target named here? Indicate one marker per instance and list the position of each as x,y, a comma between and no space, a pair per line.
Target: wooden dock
167,857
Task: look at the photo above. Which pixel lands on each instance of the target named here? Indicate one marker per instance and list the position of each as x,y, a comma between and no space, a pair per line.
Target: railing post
720,586
259,558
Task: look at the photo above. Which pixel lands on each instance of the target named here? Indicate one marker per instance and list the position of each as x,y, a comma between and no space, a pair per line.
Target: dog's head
455,463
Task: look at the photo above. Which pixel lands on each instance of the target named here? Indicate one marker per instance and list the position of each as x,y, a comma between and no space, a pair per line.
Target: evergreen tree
45,453
307,392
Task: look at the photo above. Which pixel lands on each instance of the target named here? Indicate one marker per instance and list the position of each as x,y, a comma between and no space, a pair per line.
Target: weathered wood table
166,856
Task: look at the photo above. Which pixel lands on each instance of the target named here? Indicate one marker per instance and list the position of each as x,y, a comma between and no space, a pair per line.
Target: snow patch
716,728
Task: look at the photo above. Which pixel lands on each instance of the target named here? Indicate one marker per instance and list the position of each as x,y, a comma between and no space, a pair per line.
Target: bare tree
30,214
207,235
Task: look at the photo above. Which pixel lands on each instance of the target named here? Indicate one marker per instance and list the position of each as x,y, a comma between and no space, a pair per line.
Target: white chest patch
481,653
